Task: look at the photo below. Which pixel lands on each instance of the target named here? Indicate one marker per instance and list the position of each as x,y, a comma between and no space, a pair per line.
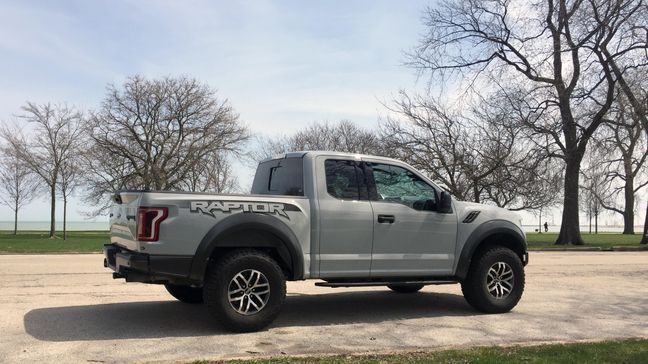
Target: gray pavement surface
67,308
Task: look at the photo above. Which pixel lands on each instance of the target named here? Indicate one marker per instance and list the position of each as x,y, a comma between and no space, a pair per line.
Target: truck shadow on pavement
159,319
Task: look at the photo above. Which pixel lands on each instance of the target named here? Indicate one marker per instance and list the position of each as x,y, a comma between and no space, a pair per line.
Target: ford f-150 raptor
347,220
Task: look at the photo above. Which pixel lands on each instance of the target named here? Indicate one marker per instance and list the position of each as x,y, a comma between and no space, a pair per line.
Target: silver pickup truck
347,220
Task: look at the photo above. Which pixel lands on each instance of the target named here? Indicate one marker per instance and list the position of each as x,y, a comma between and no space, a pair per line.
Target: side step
381,283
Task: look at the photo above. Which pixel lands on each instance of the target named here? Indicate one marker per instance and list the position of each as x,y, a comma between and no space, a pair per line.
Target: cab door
345,218
410,238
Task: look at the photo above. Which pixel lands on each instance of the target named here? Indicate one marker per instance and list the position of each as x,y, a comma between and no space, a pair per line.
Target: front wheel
244,291
495,281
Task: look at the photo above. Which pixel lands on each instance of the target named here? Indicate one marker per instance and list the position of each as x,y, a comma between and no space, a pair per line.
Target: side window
398,185
345,180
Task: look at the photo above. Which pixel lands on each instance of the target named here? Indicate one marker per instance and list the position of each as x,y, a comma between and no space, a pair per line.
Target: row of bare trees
615,170
478,156
481,154
46,158
559,63
344,136
161,134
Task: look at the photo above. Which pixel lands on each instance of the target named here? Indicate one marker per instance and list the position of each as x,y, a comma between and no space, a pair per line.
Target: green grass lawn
626,351
92,241
602,240
39,242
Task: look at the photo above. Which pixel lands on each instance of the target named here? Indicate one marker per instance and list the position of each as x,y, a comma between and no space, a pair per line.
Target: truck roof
315,153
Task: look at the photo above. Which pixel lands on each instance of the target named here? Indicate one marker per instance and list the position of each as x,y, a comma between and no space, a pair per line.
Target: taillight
148,222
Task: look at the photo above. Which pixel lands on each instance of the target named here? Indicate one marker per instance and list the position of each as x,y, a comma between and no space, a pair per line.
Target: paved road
67,308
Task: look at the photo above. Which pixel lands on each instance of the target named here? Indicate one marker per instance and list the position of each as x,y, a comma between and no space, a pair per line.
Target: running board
384,283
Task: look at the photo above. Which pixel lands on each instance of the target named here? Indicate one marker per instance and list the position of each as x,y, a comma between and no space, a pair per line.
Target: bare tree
626,54
55,136
621,149
153,134
18,184
531,184
437,142
542,51
70,179
477,153
263,147
594,190
103,175
343,136
212,174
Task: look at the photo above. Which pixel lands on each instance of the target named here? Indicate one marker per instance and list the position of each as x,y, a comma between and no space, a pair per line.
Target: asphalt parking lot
67,308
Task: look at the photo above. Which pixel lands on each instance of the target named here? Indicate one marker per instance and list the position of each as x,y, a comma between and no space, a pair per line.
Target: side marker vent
470,217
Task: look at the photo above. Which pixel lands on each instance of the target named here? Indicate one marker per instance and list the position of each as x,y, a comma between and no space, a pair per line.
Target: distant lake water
45,225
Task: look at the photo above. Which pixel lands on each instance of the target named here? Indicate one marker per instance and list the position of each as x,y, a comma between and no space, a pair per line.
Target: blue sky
282,64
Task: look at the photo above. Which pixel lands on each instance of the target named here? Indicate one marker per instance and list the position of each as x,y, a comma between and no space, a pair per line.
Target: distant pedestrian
546,227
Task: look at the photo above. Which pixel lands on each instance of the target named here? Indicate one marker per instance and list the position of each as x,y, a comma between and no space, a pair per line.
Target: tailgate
123,219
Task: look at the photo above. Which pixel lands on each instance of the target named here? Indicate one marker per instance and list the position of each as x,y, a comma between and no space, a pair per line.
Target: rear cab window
345,179
283,177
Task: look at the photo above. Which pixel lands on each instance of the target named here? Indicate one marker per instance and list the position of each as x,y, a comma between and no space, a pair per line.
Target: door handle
386,218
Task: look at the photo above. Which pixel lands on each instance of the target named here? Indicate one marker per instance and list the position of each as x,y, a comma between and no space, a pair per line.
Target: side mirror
445,203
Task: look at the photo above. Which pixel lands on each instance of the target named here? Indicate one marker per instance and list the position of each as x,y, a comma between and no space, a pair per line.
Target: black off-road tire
216,290
405,288
475,288
186,294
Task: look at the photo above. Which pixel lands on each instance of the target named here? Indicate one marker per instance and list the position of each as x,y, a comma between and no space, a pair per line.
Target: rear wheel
244,290
405,288
495,281
186,294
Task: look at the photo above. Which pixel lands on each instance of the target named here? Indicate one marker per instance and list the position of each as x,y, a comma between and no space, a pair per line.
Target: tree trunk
628,211
596,222
644,240
65,218
52,233
570,224
16,219
589,215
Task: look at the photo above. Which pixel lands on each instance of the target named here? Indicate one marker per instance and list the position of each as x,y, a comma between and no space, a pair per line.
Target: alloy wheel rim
500,280
248,292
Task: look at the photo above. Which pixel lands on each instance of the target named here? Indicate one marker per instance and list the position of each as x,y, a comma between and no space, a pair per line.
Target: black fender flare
284,241
482,233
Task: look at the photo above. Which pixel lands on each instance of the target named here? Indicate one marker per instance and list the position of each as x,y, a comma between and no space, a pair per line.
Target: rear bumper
147,268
